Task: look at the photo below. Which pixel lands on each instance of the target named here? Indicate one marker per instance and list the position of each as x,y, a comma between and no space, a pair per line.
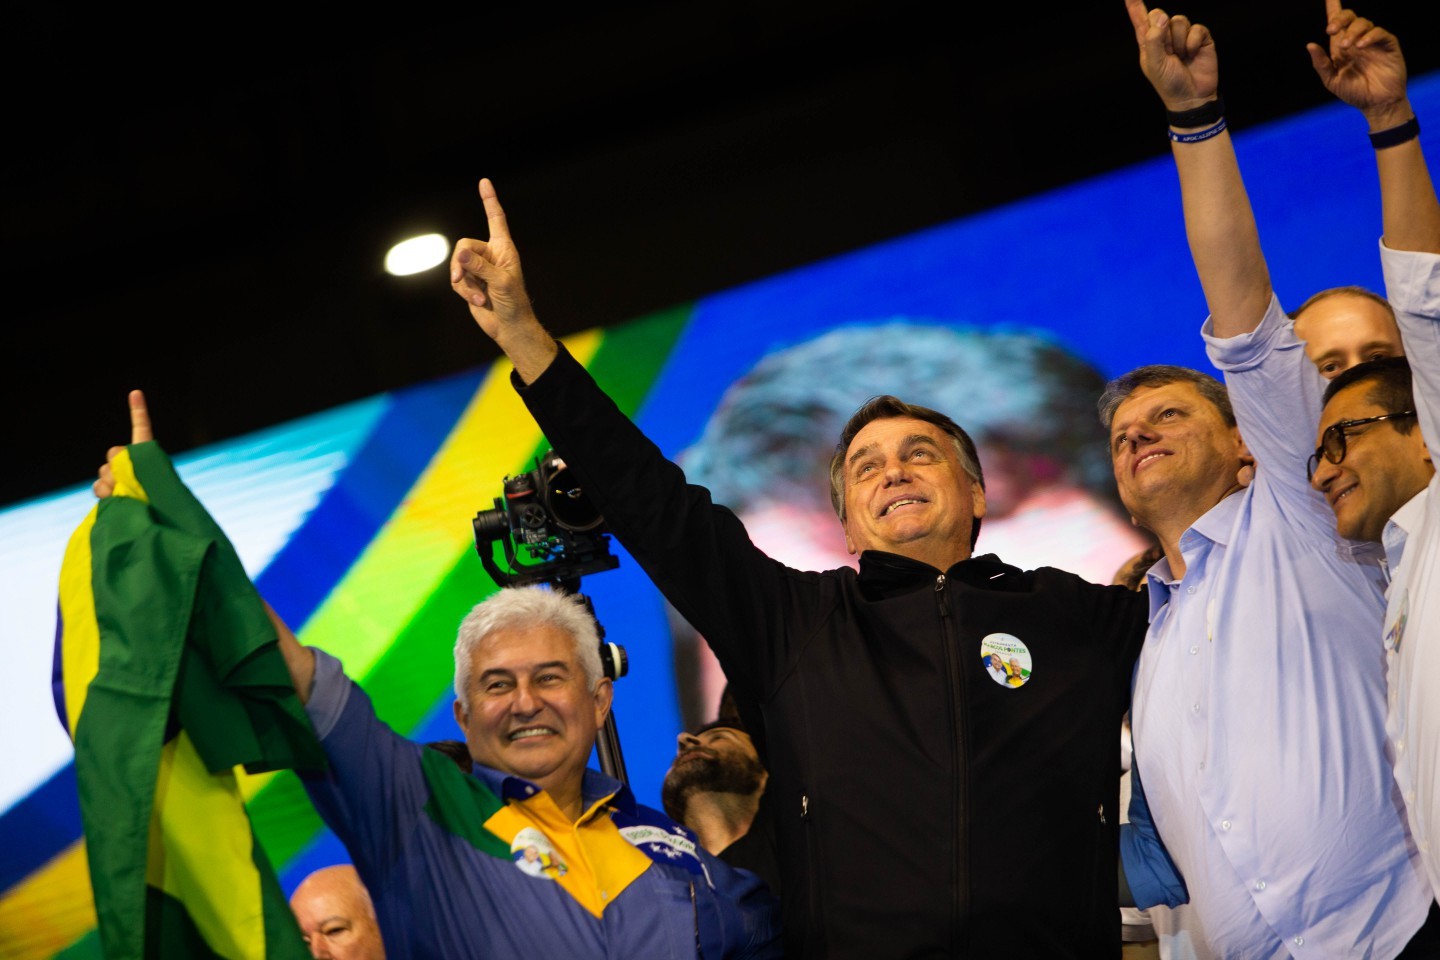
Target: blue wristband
1198,135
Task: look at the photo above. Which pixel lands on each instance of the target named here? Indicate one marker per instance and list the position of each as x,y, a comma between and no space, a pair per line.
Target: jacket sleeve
742,921
374,783
697,553
1152,876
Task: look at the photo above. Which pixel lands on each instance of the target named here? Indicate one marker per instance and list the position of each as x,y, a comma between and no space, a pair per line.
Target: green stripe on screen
633,354
417,668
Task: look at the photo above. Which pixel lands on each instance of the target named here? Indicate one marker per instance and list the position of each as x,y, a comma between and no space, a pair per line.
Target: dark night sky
202,212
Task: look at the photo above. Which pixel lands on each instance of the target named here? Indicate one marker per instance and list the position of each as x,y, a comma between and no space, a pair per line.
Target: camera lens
568,503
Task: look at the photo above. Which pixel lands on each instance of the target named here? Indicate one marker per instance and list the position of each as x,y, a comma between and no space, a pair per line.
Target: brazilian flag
168,676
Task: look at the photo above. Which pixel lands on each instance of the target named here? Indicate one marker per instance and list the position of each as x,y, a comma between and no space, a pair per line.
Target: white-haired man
533,854
530,854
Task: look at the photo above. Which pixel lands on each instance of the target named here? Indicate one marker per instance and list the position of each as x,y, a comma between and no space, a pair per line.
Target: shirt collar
1212,527
1216,523
595,788
884,575
1401,524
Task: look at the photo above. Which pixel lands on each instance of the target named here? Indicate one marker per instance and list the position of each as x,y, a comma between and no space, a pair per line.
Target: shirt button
1189,589
1195,708
1194,650
1399,746
1224,824
1202,764
1299,941
1259,884
604,895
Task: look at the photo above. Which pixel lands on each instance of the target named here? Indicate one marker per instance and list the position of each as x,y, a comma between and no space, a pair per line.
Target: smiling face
1382,469
907,493
1173,454
1345,329
528,709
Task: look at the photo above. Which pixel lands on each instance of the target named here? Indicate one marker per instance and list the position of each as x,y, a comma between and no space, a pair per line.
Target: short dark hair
1159,375
890,408
1391,387
1348,291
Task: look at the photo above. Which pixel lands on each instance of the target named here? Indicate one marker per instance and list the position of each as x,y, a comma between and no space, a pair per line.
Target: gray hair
525,608
1159,375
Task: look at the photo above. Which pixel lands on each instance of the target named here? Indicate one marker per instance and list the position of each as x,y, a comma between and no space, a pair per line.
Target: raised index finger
494,213
1332,9
1139,17
139,418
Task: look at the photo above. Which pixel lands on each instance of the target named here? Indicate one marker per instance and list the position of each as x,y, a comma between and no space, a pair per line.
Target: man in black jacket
921,806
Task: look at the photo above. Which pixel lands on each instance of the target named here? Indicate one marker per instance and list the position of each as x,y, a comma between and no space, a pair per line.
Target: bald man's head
337,916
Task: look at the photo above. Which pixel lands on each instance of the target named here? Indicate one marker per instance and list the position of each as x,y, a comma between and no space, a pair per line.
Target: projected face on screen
1028,403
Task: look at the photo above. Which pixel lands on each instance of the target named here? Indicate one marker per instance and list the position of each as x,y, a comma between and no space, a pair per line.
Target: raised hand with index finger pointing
1176,56
140,432
486,275
1363,66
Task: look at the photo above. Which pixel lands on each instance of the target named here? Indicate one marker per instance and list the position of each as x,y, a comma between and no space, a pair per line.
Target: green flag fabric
169,676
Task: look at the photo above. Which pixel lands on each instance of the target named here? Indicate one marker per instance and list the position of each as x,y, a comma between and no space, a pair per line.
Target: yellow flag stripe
49,911
201,852
80,642
418,547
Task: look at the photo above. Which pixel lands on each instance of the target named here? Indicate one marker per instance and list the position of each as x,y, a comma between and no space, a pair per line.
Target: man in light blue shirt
1260,700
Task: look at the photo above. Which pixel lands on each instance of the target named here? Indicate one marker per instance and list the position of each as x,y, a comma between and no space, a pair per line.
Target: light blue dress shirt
1259,714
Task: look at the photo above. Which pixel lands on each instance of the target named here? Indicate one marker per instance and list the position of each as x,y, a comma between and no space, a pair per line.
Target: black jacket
922,809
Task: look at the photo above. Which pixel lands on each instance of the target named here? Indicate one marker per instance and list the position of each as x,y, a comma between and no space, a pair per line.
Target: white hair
522,608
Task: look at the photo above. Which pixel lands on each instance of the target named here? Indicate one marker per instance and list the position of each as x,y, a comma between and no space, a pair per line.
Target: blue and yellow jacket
510,875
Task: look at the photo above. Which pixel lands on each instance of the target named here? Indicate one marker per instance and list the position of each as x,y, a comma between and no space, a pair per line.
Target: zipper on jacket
957,755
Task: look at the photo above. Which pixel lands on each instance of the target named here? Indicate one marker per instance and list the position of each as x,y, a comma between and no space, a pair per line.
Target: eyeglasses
1332,441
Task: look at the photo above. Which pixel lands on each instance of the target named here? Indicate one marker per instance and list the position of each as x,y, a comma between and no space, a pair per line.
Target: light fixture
417,254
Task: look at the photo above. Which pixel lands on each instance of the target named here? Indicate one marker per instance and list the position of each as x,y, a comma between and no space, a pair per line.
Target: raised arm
486,275
299,660
1178,58
1365,68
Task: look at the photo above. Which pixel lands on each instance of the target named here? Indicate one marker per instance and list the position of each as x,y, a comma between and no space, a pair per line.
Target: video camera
546,514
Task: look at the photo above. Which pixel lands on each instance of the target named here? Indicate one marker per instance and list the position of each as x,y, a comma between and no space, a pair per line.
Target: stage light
417,254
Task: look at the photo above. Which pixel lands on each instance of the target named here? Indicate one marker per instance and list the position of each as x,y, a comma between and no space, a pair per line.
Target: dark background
200,208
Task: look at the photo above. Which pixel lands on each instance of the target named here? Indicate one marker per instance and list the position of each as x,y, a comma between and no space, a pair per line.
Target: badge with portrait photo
535,855
1006,659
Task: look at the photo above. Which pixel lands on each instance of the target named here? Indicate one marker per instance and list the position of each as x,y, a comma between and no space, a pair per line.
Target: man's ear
604,695
977,494
1245,473
461,717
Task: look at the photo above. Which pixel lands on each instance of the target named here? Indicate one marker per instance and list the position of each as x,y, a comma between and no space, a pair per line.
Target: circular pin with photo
1006,659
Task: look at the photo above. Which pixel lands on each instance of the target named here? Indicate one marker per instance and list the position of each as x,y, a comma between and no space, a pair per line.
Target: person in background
336,915
716,787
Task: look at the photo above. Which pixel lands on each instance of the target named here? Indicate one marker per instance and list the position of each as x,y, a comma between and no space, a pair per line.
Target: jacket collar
884,575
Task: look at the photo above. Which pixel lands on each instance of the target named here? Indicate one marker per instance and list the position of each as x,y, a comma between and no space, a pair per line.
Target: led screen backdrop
356,523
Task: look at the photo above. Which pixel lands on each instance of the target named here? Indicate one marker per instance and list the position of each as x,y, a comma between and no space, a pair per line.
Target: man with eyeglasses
1259,709
1379,439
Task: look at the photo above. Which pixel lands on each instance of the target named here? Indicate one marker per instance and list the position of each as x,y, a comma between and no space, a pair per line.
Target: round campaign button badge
1006,658
535,855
